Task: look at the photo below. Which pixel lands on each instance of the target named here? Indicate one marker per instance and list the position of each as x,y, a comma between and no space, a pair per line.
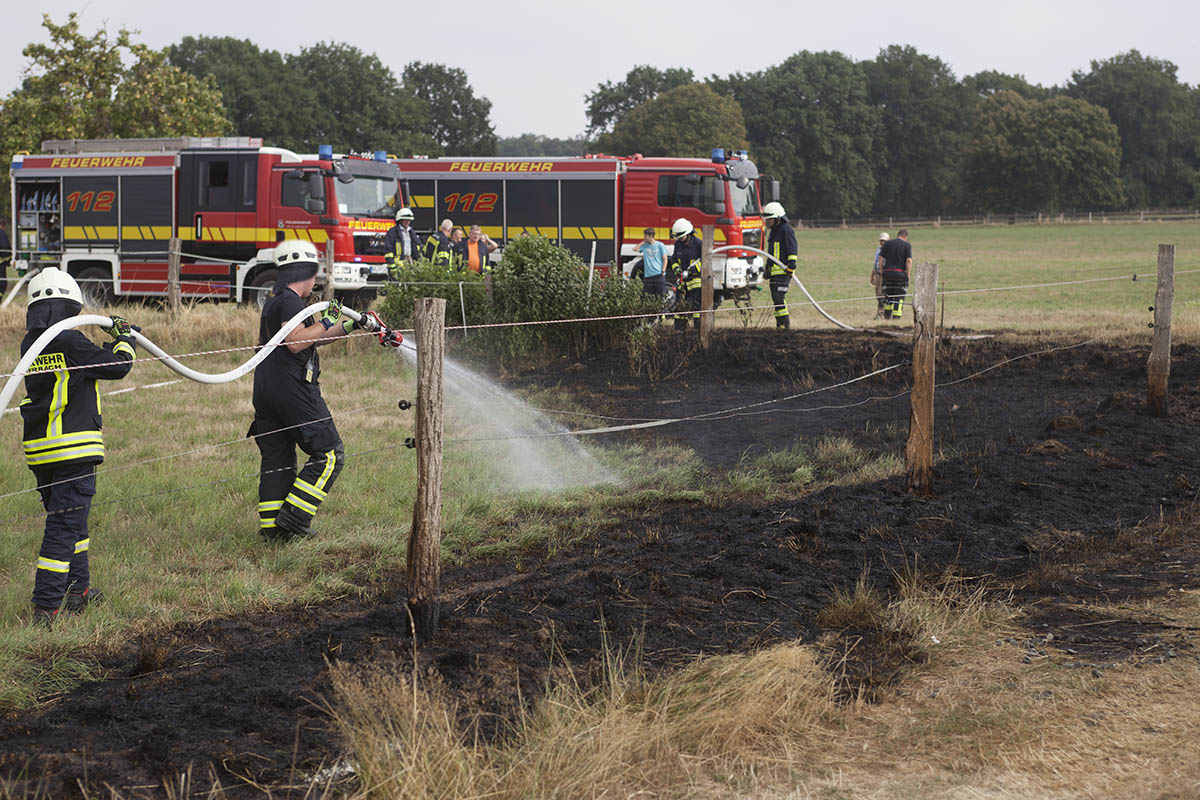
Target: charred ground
1052,480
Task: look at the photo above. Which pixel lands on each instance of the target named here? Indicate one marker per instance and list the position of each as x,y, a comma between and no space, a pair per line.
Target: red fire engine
105,210
600,204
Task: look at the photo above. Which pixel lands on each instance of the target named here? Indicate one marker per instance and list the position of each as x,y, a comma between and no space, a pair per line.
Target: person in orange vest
478,246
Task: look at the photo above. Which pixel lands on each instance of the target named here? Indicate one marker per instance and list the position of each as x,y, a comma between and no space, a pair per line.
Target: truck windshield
745,201
366,196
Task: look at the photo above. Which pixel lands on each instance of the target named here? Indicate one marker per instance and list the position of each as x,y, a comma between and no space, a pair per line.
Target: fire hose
368,321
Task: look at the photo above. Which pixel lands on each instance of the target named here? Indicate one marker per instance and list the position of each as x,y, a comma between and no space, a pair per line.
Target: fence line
1073,217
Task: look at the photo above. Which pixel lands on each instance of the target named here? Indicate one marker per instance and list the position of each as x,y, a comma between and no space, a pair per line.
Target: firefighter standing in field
684,267
781,244
877,275
439,248
62,438
288,408
402,244
897,260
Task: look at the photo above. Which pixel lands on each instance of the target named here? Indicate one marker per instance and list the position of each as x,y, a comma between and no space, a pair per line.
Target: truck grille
752,237
369,245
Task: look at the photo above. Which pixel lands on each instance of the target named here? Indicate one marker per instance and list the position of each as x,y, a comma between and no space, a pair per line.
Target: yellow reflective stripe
79,437
57,404
270,505
52,565
308,487
330,461
82,545
97,385
268,522
301,503
124,347
67,454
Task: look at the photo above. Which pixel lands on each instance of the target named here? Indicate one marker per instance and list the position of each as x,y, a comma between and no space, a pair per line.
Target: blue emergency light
381,155
718,155
325,152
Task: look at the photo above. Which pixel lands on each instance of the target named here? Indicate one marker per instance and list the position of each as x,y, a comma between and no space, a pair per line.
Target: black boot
291,523
78,602
43,617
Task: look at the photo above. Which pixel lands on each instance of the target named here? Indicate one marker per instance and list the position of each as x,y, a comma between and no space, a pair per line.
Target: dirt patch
242,696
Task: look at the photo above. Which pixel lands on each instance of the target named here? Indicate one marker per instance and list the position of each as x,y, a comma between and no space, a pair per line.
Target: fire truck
598,206
105,211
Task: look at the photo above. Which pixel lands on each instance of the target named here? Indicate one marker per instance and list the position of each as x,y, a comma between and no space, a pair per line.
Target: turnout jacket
62,410
439,249
393,244
782,245
685,261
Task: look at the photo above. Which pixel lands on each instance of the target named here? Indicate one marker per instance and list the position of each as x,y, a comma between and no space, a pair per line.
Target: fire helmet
53,283
295,251
404,213
681,228
774,211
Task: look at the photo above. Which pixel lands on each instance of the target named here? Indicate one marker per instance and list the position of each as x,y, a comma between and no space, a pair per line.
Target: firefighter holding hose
62,438
781,244
685,265
289,411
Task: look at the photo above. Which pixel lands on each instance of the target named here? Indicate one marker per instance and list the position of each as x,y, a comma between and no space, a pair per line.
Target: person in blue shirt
654,257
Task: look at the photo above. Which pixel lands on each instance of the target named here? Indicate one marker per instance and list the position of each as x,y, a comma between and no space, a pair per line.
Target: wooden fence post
173,258
1158,367
425,537
327,289
918,454
706,287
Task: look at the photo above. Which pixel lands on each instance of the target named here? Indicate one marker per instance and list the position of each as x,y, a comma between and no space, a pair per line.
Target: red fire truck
600,204
105,210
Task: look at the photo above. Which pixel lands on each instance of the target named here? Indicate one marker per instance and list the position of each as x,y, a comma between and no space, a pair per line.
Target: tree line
898,135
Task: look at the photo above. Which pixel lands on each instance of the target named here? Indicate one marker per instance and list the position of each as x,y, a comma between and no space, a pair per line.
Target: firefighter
684,268
401,243
896,256
781,244
438,247
62,438
288,408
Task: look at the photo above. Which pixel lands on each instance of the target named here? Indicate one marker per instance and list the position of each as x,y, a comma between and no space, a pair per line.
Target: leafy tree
811,124
1156,117
359,105
458,120
263,96
1027,155
685,121
612,101
533,144
925,113
79,87
988,82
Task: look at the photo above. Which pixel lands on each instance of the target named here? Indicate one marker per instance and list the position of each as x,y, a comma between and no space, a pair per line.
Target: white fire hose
10,387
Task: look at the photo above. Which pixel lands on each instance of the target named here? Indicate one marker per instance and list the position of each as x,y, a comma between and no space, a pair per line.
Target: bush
424,279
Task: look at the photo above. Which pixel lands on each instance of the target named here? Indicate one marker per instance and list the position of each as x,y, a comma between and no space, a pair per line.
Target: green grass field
177,538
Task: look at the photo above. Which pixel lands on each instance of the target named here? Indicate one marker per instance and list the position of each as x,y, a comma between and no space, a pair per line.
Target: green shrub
424,279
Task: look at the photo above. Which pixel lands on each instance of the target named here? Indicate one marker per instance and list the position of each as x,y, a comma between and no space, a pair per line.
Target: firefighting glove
120,327
332,315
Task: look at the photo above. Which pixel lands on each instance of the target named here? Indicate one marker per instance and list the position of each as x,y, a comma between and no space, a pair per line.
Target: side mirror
316,186
314,205
342,174
718,197
743,182
774,192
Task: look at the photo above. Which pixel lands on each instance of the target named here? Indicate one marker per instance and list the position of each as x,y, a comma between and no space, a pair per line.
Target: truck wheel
95,284
260,287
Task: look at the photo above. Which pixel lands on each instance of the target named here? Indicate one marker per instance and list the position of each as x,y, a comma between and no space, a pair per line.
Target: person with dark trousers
62,439
684,267
402,244
289,411
877,275
439,248
654,258
897,261
781,244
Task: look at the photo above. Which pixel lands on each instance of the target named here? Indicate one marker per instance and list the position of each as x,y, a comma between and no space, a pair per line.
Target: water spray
368,321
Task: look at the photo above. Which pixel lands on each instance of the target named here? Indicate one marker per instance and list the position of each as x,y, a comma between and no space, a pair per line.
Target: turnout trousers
894,289
303,422
62,565
691,302
779,287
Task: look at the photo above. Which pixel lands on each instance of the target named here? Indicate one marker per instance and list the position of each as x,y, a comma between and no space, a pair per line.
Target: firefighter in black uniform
438,247
62,438
288,408
402,244
781,244
684,269
897,260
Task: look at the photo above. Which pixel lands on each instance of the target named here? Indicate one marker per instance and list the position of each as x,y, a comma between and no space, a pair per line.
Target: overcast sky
536,61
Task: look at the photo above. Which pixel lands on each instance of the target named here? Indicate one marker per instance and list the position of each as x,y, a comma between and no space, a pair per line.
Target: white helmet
404,213
294,251
883,237
774,211
52,283
681,228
